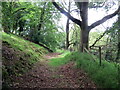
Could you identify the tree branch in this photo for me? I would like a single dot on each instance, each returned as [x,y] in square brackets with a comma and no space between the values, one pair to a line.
[98,39]
[103,19]
[67,14]
[18,10]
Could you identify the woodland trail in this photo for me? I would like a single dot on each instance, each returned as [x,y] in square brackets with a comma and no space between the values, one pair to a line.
[44,76]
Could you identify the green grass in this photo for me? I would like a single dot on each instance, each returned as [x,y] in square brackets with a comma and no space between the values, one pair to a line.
[63,52]
[19,43]
[105,76]
[63,59]
[24,53]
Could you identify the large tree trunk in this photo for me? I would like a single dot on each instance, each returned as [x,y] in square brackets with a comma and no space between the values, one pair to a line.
[84,25]
[84,40]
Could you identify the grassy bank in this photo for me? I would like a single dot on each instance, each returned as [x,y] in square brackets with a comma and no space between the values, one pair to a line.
[105,76]
[18,56]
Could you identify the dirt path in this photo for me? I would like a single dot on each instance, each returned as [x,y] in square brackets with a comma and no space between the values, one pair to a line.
[44,76]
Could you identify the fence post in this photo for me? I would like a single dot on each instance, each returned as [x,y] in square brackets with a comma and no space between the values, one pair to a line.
[100,55]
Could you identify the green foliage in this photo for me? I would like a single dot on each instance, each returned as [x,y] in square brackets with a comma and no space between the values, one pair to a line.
[13,16]
[114,41]
[94,36]
[34,21]
[48,33]
[75,37]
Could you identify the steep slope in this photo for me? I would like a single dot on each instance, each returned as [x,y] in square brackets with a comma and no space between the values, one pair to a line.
[18,56]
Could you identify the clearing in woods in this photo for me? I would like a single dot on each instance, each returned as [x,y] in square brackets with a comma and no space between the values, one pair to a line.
[44,76]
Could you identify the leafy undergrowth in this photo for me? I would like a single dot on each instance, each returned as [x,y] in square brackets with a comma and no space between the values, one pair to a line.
[105,76]
[18,56]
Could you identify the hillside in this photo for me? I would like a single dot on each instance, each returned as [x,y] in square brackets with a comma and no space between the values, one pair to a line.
[26,65]
[18,56]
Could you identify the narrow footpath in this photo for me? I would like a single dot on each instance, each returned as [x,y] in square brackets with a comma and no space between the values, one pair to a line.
[44,76]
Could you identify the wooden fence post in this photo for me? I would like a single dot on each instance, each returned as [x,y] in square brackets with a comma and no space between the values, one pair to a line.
[100,55]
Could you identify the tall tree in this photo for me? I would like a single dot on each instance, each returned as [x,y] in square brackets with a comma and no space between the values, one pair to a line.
[67,28]
[85,29]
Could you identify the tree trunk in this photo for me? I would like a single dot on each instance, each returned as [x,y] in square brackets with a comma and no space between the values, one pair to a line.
[67,29]
[84,40]
[84,25]
[67,34]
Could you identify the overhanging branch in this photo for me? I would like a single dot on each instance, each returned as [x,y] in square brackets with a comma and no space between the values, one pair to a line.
[67,14]
[103,19]
[98,38]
